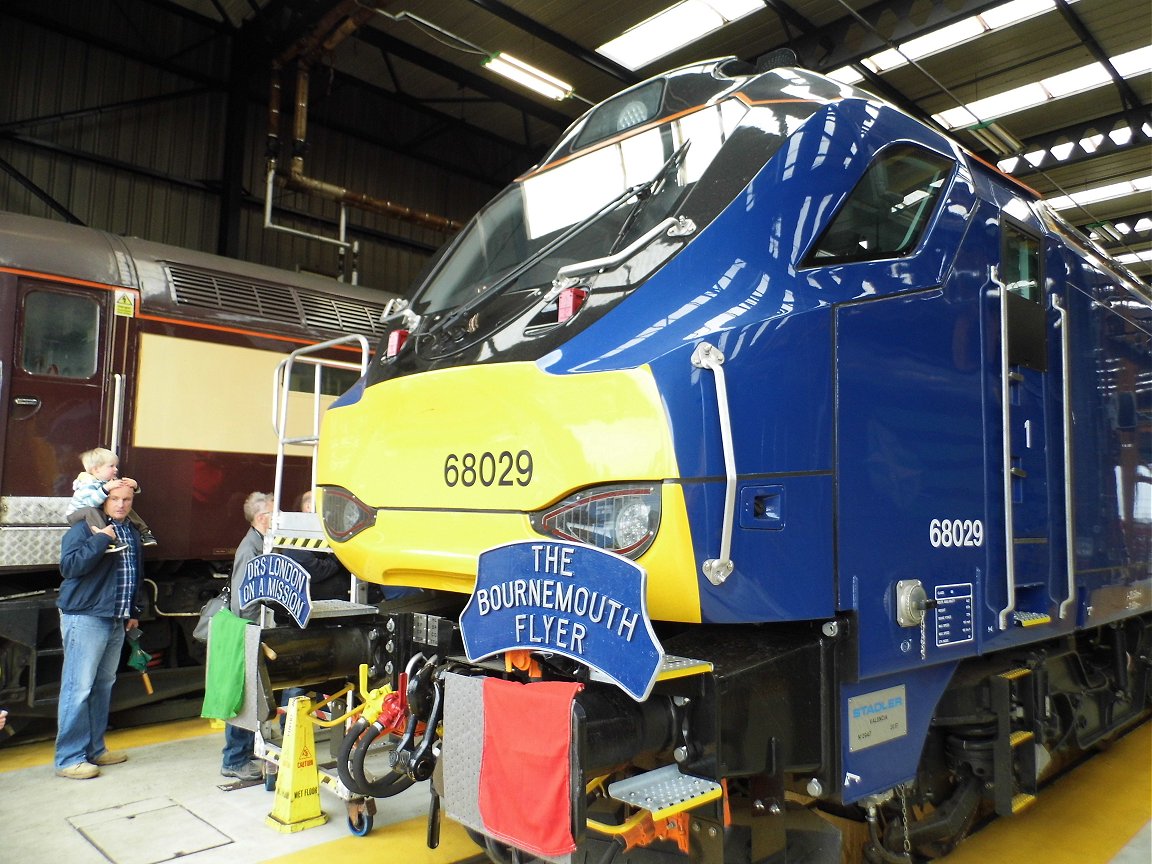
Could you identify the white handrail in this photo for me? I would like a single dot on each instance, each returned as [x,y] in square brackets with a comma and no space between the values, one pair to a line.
[707,356]
[673,226]
[281,386]
[117,411]
[1069,500]
[1006,451]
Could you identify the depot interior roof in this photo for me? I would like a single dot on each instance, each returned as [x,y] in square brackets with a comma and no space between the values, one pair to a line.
[428,54]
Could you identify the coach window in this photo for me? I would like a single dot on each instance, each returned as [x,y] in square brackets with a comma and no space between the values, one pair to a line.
[887,212]
[60,334]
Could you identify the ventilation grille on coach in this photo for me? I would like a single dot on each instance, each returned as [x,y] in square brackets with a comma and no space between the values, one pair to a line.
[300,306]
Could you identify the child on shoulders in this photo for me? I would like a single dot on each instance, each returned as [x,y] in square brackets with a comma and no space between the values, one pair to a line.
[91,488]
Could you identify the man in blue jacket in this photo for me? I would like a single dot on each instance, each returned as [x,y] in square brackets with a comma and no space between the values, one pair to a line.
[98,603]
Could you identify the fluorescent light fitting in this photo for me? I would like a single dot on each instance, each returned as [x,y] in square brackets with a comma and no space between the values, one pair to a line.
[845,75]
[999,140]
[1104,231]
[528,76]
[679,25]
[951,36]
[1128,65]
[939,40]
[1135,257]
[1140,185]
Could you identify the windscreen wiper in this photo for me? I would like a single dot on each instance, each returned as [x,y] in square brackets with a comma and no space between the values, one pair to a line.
[648,191]
[464,310]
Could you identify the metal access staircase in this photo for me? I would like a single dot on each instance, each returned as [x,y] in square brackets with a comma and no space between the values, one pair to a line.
[293,529]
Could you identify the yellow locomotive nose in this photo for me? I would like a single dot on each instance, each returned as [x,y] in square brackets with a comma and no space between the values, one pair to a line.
[433,469]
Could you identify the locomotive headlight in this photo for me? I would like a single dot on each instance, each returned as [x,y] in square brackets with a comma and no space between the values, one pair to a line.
[633,525]
[621,518]
[344,514]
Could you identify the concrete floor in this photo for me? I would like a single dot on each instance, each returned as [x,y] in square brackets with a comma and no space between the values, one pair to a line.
[167,802]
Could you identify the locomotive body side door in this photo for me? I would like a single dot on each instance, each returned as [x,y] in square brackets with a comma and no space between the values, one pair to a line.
[1025,596]
[57,401]
[7,354]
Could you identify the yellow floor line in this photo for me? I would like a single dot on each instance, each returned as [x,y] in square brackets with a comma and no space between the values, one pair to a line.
[402,841]
[1064,826]
[14,756]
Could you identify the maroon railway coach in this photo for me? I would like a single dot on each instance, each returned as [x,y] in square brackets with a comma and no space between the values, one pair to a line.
[165,356]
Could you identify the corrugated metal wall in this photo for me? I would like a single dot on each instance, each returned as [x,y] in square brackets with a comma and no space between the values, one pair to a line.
[130,137]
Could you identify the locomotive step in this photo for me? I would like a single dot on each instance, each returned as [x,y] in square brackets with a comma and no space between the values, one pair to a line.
[340,609]
[292,525]
[1019,737]
[1012,674]
[671,667]
[1031,619]
[665,791]
[316,544]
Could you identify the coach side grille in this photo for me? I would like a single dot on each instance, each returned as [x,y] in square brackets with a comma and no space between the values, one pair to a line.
[340,314]
[311,309]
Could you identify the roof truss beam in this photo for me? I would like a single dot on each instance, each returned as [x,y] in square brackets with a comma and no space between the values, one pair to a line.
[1104,135]
[556,40]
[396,47]
[848,41]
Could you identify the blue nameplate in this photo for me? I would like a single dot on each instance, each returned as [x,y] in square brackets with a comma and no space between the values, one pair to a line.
[564,598]
[276,578]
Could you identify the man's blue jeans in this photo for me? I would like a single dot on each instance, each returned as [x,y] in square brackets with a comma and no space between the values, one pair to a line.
[238,746]
[91,656]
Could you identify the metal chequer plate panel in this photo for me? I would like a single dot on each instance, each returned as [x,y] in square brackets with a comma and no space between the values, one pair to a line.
[27,547]
[28,510]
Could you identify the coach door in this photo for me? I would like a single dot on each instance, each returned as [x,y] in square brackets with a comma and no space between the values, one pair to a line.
[1025,440]
[58,403]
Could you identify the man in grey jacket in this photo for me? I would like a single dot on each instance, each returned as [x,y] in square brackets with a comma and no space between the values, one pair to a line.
[239,742]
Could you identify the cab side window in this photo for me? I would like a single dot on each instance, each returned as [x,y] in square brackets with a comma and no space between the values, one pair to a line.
[1020,275]
[60,334]
[887,212]
[1020,263]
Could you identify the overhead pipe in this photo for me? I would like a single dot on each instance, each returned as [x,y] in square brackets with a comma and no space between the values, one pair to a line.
[336,26]
[298,180]
[272,146]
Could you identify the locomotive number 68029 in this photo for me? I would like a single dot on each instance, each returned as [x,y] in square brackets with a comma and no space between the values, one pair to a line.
[956,532]
[488,469]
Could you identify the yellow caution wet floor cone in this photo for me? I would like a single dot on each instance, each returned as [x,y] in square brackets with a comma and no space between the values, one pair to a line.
[297,804]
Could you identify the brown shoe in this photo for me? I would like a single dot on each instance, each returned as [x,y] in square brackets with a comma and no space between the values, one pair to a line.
[110,757]
[79,771]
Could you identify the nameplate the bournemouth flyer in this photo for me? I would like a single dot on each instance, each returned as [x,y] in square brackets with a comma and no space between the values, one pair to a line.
[565,598]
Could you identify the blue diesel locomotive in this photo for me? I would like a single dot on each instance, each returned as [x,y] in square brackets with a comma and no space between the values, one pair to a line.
[785,471]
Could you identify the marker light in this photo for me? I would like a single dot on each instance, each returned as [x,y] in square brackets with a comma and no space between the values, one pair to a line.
[569,303]
[396,340]
[621,518]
